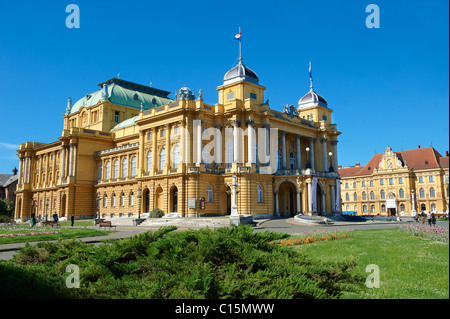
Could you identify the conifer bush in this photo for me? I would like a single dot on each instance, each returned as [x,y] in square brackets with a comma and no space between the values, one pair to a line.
[232,263]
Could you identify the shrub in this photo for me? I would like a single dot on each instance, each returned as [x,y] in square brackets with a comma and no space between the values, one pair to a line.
[156,213]
[231,263]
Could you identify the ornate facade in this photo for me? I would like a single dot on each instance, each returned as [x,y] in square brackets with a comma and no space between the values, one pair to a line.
[397,183]
[127,149]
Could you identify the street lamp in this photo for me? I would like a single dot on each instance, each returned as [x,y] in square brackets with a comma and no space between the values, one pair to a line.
[98,206]
[331,166]
[308,163]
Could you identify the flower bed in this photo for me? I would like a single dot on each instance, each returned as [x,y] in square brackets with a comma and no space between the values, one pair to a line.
[28,234]
[434,233]
[308,238]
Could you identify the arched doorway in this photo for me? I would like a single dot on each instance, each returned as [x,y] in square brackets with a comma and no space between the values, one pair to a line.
[174,200]
[423,207]
[159,198]
[287,199]
[146,198]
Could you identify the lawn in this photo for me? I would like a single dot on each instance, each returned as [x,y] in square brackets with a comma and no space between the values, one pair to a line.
[21,234]
[410,267]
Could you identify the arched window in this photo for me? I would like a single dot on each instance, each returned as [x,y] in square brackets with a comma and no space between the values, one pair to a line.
[133,166]
[149,160]
[206,156]
[372,209]
[113,201]
[364,208]
[364,195]
[131,199]
[383,208]
[401,193]
[382,194]
[347,208]
[422,193]
[372,195]
[108,170]
[116,169]
[122,199]
[432,192]
[347,196]
[402,207]
[125,167]
[100,167]
[162,159]
[433,207]
[176,155]
[292,160]
[105,200]
[209,194]
[355,196]
[260,194]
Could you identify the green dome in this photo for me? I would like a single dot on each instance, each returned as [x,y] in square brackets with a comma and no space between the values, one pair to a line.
[124,93]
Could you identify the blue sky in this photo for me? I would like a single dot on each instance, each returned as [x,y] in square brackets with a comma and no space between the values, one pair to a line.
[386,86]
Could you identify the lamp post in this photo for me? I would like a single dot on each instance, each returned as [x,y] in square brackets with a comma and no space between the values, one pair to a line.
[139,202]
[308,163]
[331,169]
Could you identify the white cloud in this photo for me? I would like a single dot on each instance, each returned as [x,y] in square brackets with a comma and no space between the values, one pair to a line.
[9,146]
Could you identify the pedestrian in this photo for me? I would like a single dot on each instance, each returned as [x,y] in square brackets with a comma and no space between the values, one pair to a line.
[55,218]
[422,215]
[33,220]
[433,219]
[429,219]
[72,219]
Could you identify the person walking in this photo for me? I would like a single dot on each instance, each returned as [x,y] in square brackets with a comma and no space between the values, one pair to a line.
[33,220]
[433,219]
[422,216]
[55,218]
[429,219]
[72,220]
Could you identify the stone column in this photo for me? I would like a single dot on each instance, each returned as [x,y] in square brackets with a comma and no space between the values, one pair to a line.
[236,152]
[333,199]
[250,143]
[199,142]
[70,159]
[310,204]
[335,155]
[324,154]
[277,213]
[311,146]
[299,209]
[21,158]
[154,152]
[299,157]
[283,149]
[168,148]
[27,169]
[62,164]
[218,144]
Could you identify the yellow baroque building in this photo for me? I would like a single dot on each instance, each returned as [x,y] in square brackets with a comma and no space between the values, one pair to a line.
[397,183]
[127,149]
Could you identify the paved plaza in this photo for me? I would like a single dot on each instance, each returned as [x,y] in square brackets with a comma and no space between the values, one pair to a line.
[283,225]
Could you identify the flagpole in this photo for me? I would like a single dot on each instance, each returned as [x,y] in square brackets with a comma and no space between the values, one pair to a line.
[240,48]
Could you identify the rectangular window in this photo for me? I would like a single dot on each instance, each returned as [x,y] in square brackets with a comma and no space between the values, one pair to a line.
[324,117]
[400,180]
[420,179]
[163,133]
[116,116]
[381,181]
[230,96]
[371,183]
[253,96]
[431,179]
[391,181]
[149,136]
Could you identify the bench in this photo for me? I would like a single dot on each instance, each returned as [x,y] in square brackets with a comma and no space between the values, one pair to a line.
[106,224]
[50,223]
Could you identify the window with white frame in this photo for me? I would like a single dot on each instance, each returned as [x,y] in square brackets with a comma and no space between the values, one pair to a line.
[260,194]
[133,166]
[209,194]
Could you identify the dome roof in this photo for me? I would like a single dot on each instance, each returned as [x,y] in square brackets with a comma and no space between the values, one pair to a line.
[238,73]
[184,93]
[311,99]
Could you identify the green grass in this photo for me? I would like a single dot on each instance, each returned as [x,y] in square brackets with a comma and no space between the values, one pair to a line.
[63,233]
[410,267]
